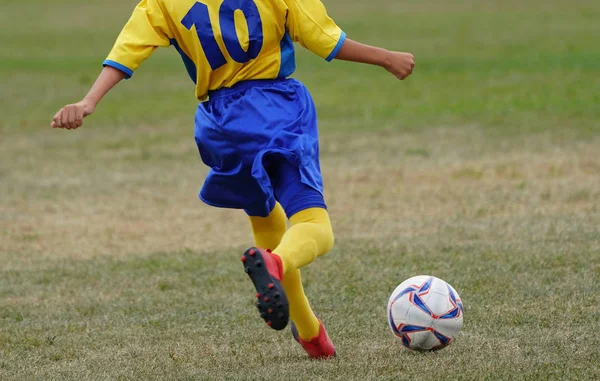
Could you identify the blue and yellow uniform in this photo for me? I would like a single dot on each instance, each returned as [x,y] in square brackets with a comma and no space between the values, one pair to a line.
[258,129]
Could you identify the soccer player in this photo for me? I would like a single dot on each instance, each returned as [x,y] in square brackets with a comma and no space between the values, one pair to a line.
[255,127]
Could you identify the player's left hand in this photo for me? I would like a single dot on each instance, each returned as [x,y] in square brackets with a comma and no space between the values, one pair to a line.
[71,116]
[400,64]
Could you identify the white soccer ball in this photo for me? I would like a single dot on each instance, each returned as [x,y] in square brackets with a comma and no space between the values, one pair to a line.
[425,313]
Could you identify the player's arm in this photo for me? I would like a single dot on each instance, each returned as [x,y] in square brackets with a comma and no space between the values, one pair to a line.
[146,30]
[71,116]
[398,63]
[309,24]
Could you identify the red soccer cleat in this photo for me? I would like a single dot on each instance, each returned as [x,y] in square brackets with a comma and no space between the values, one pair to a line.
[321,347]
[265,271]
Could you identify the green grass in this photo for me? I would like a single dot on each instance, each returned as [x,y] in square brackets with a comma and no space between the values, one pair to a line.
[481,169]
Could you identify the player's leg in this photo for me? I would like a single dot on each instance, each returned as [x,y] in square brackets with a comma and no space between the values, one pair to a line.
[268,232]
[307,328]
[309,236]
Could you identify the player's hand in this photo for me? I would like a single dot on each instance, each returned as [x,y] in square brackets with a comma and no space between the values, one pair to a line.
[400,64]
[71,116]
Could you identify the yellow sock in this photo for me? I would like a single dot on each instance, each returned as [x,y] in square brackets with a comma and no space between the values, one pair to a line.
[309,236]
[268,233]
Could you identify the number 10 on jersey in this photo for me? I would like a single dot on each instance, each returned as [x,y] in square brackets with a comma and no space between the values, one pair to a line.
[199,17]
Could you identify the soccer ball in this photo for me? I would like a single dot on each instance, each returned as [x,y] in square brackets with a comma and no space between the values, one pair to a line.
[425,313]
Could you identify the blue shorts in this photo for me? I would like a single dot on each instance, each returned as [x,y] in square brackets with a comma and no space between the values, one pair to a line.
[260,140]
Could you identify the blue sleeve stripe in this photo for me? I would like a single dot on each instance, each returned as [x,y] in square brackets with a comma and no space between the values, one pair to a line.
[128,72]
[337,48]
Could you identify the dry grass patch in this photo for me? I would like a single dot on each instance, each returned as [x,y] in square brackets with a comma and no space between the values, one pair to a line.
[134,191]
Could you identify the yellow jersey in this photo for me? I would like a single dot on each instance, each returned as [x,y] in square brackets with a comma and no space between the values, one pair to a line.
[223,42]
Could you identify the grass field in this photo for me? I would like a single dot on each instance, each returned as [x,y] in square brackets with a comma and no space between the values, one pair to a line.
[482,169]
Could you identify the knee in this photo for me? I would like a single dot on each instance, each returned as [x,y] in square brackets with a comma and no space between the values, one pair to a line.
[323,231]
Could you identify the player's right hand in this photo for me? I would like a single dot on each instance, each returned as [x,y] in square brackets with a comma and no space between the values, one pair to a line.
[400,64]
[71,116]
